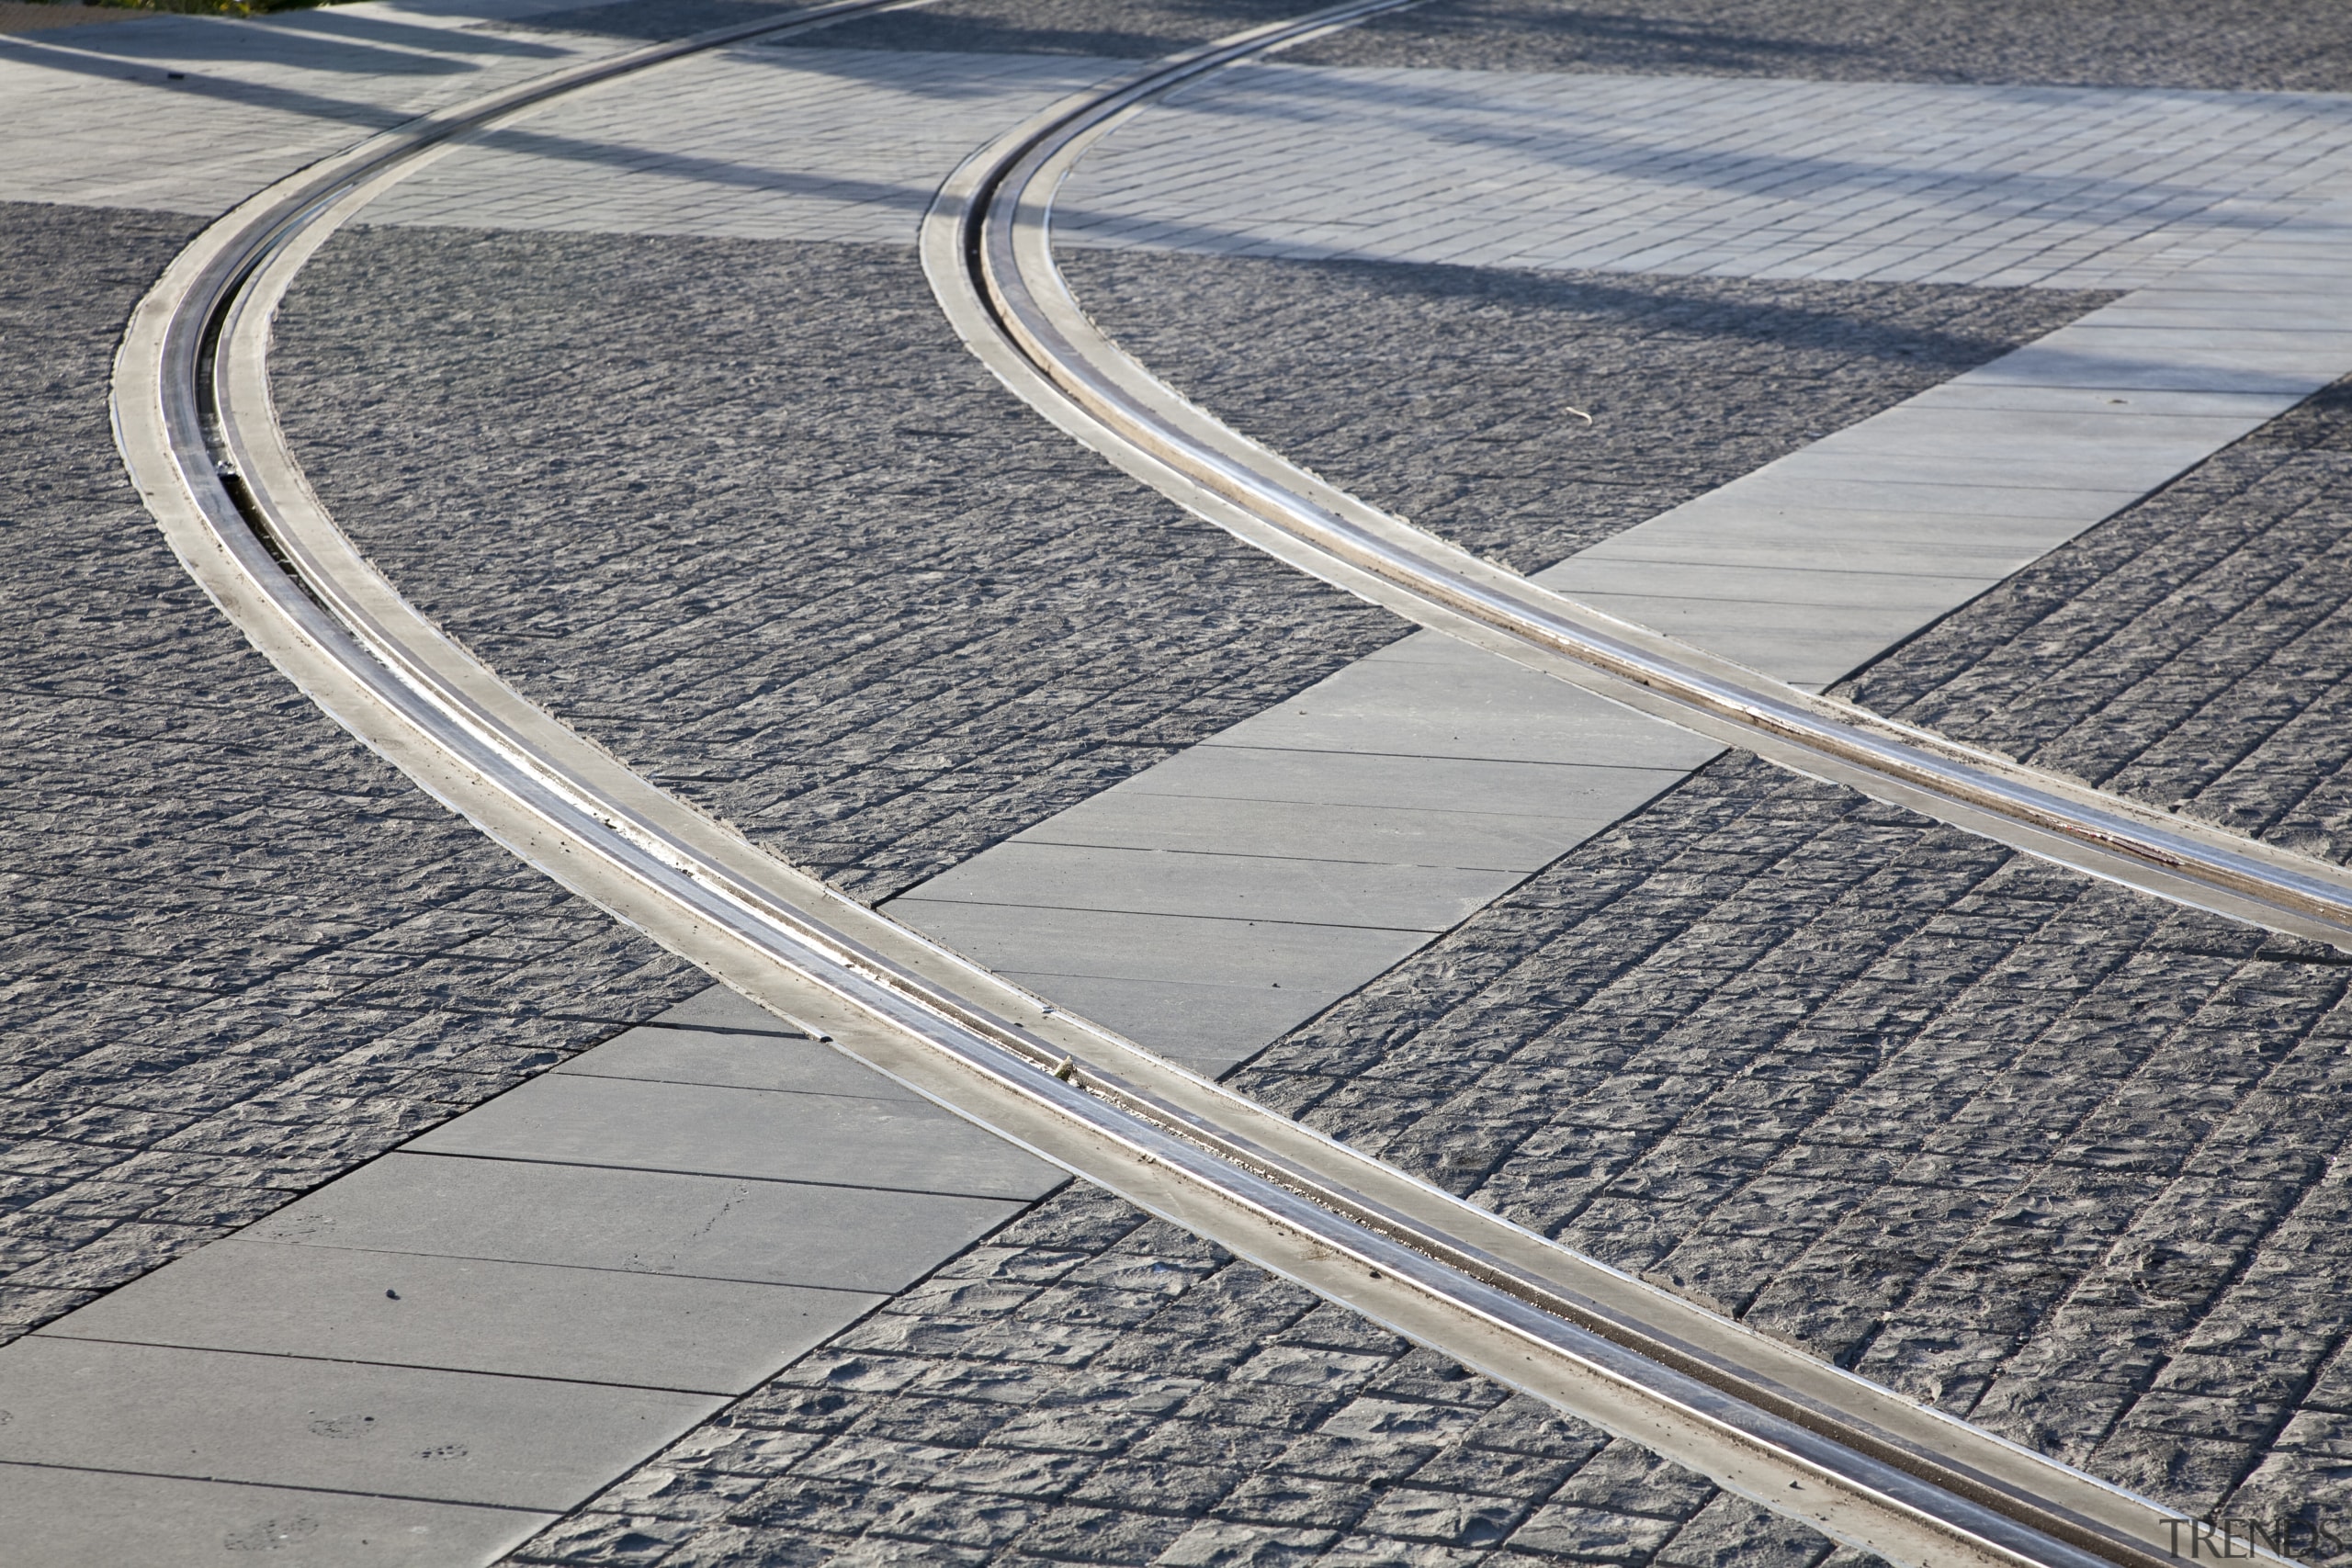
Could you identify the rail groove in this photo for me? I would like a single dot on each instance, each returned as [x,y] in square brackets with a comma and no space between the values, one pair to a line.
[199,433]
[988,249]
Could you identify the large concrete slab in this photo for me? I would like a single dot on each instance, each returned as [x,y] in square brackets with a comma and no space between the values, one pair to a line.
[531,1443]
[1433,787]
[834,1237]
[1206,1027]
[228,105]
[1134,819]
[1226,885]
[1983,184]
[59,1517]
[614,1327]
[573,1119]
[1457,701]
[1255,955]
[735,1060]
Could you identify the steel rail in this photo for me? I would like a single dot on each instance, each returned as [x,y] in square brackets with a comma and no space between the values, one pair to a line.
[199,433]
[988,248]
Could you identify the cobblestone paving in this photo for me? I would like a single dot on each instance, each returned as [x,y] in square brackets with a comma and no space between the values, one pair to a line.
[2258,45]
[2253,45]
[242,956]
[882,618]
[687,495]
[1460,381]
[2043,1152]
[752,516]
[1134,29]
[1090,1387]
[2040,1150]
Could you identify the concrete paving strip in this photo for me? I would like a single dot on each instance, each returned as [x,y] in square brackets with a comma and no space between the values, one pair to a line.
[423,1361]
[1806,569]
[64,1517]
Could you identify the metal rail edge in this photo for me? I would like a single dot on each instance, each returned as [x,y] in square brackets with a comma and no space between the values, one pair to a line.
[988,248]
[199,434]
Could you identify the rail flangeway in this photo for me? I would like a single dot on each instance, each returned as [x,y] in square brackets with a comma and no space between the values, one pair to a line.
[988,249]
[199,434]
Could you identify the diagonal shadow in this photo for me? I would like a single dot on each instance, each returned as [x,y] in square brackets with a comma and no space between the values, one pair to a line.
[1601,40]
[189,41]
[338,25]
[1459,116]
[1701,304]
[227,89]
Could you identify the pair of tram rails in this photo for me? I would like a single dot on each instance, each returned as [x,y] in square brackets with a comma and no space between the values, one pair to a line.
[1869,1467]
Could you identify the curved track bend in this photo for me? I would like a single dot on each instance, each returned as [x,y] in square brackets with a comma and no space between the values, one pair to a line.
[988,248]
[197,431]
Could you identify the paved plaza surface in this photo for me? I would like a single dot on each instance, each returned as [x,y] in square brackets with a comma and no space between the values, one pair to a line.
[370,1199]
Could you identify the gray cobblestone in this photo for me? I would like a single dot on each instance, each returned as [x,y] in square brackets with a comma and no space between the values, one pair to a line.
[2256,45]
[767,528]
[1239,1421]
[791,666]
[1138,29]
[242,956]
[960,624]
[2042,1151]
[2252,45]
[1143,29]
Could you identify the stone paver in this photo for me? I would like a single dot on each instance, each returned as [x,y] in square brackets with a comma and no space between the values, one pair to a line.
[2044,186]
[771,142]
[1093,1387]
[2245,45]
[226,106]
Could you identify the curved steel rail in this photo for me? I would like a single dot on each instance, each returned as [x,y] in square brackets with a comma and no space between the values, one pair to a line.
[988,249]
[200,437]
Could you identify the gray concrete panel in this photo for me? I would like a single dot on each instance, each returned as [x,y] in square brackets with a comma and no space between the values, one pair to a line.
[693,1128]
[1207,1028]
[471,1314]
[844,1238]
[1226,886]
[1441,784]
[2030,397]
[1125,819]
[283,1421]
[2085,435]
[1249,954]
[720,1008]
[1470,704]
[1803,645]
[86,1518]
[1728,518]
[732,1061]
[1727,542]
[1999,467]
[2146,359]
[1792,484]
[1792,589]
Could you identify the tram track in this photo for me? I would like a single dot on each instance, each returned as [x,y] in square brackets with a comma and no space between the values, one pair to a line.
[198,429]
[988,249]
